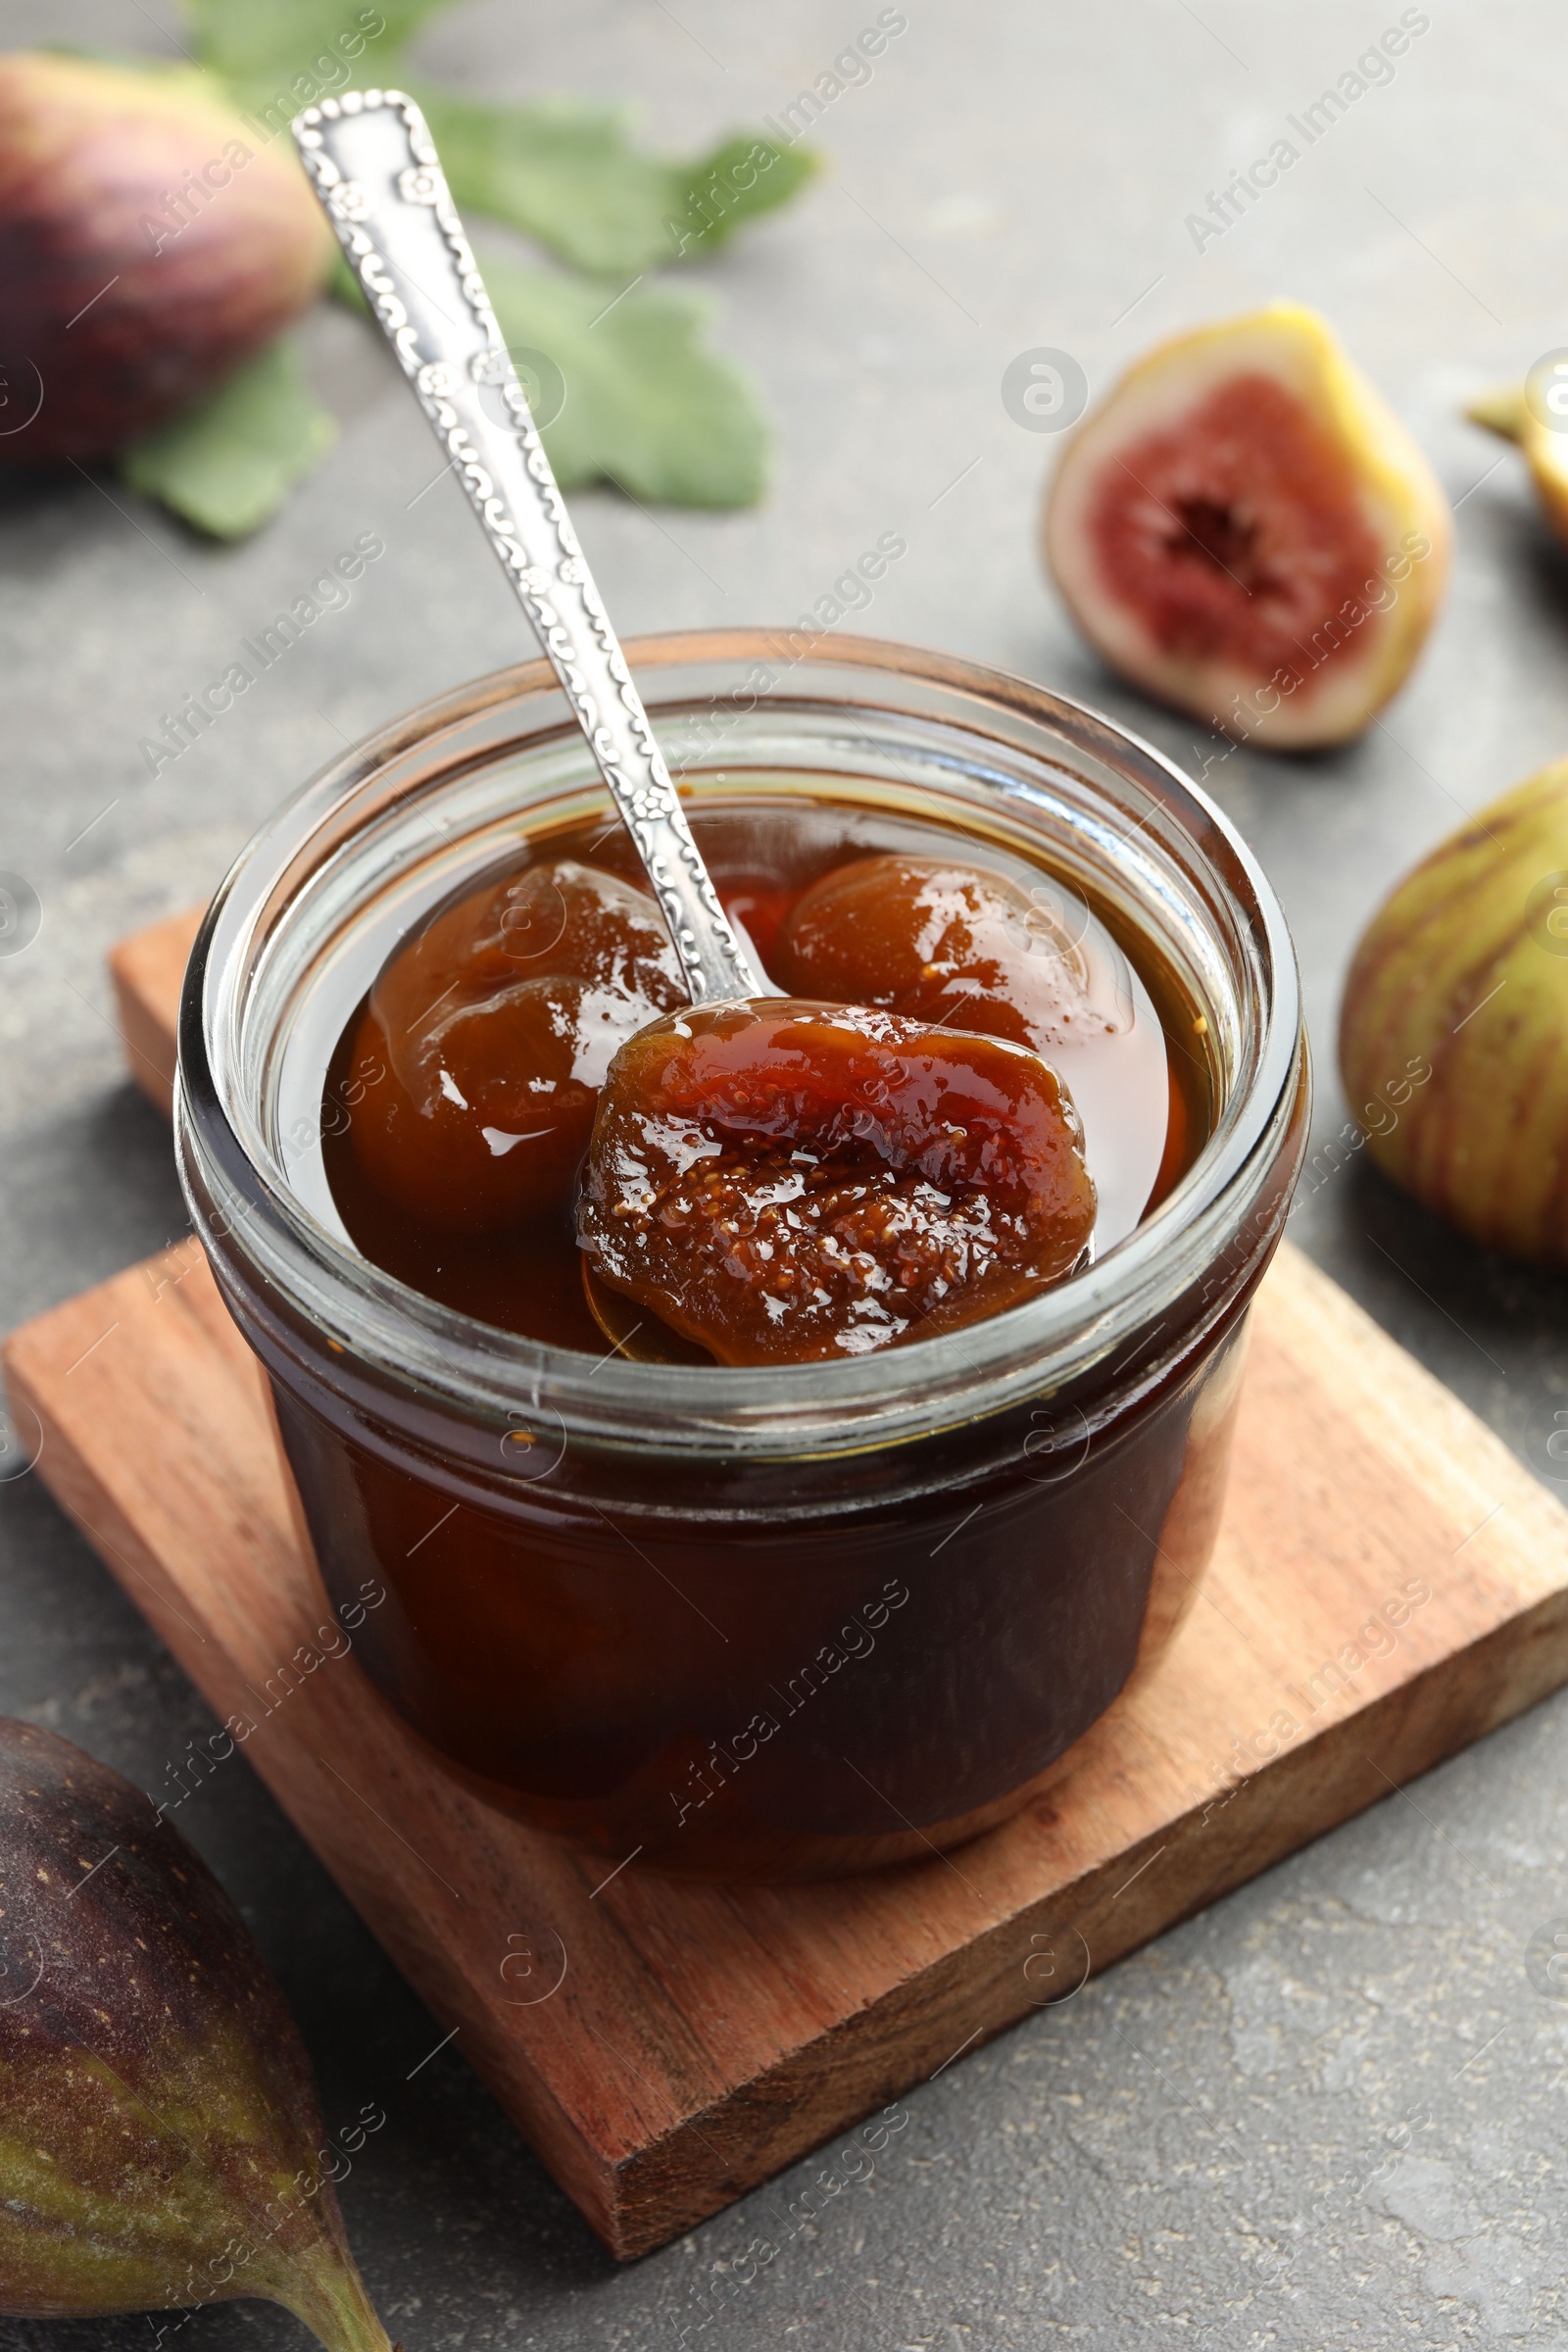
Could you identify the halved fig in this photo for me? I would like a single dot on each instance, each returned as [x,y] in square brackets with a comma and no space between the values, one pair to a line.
[1244,529]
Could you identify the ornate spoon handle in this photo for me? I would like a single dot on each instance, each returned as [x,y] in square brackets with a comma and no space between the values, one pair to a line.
[377,172]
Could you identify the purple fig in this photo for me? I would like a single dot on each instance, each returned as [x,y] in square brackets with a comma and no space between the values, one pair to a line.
[163,2145]
[151,242]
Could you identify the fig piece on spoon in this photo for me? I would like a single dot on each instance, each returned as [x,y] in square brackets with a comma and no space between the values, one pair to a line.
[1244,529]
[791,1182]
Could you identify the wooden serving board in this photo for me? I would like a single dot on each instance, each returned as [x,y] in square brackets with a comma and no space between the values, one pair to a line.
[701,2038]
[1388,1585]
[147,970]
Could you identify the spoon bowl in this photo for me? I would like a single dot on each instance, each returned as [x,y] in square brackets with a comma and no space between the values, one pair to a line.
[635,1333]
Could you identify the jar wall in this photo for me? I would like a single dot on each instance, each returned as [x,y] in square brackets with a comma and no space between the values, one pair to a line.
[754,1696]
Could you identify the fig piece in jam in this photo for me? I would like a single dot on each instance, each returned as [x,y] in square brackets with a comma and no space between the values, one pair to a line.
[942,940]
[481,1053]
[784,1181]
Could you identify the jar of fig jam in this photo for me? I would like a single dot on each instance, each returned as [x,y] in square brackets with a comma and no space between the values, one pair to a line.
[777,1620]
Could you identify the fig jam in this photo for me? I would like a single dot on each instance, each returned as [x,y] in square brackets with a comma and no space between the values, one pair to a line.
[474,1067]
[753,1618]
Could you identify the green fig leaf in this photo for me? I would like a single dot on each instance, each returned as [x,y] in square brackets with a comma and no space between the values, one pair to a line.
[344,287]
[739,180]
[227,464]
[567,175]
[296,51]
[626,392]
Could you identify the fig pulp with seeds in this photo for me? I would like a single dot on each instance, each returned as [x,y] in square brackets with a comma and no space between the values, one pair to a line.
[461,1100]
[160,2135]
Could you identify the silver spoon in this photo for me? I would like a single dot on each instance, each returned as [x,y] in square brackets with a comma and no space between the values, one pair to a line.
[375,168]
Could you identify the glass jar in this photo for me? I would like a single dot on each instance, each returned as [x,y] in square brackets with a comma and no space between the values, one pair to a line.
[746,1623]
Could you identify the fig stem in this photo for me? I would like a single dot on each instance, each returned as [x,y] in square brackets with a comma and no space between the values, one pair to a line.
[1500,411]
[323,2287]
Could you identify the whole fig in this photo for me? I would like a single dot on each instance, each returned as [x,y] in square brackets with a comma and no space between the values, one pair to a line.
[1463,974]
[162,2141]
[151,242]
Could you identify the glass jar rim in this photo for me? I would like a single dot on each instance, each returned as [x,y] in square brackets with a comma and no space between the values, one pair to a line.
[414,1344]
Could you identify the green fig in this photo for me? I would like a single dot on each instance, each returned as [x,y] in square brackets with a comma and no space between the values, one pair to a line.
[151,242]
[1453,1034]
[160,2141]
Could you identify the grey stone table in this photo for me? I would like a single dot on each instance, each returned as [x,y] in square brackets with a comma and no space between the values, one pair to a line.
[1330,2112]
